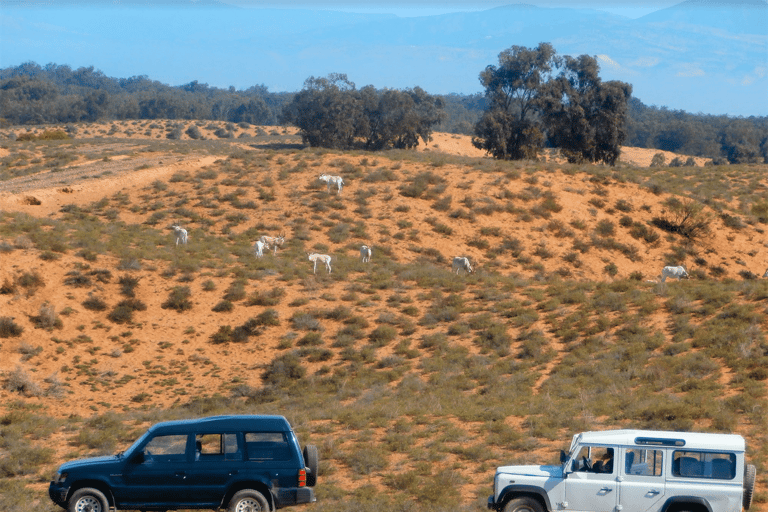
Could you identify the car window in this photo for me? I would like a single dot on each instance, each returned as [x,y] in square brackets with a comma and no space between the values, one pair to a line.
[594,459]
[166,448]
[267,446]
[638,461]
[695,464]
[216,446]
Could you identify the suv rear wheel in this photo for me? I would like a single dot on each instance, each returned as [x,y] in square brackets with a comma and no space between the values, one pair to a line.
[523,504]
[248,500]
[88,500]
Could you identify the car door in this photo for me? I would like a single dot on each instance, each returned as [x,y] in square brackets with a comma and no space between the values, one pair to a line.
[218,460]
[593,484]
[157,477]
[642,479]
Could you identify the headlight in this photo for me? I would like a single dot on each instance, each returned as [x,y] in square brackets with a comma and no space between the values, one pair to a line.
[60,478]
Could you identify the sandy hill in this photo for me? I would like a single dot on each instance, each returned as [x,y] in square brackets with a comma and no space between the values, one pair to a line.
[108,325]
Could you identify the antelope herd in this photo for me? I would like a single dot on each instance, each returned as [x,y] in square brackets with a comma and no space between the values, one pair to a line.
[459,262]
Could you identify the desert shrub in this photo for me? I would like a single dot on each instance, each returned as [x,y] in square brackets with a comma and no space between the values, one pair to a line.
[121,314]
[658,160]
[178,299]
[128,285]
[310,339]
[24,459]
[494,338]
[9,328]
[223,335]
[194,132]
[94,304]
[605,228]
[8,287]
[46,317]
[732,221]
[20,382]
[236,291]
[382,335]
[305,322]
[284,370]
[223,306]
[685,217]
[101,433]
[30,280]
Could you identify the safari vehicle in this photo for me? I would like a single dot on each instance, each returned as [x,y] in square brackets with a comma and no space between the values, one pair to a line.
[242,463]
[633,471]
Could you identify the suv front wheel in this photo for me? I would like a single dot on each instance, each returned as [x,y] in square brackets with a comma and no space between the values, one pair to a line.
[523,504]
[248,500]
[88,500]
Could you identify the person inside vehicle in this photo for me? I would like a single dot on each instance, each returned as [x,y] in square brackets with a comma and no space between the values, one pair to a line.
[605,464]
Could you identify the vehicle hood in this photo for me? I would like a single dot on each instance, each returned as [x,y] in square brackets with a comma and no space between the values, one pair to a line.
[89,463]
[535,471]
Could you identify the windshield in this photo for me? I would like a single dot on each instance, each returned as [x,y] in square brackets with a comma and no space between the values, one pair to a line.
[136,443]
[574,444]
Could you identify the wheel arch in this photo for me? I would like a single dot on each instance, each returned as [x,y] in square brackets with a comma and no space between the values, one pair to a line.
[686,503]
[517,491]
[99,485]
[256,485]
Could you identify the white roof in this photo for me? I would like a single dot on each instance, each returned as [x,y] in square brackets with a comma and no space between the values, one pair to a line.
[697,440]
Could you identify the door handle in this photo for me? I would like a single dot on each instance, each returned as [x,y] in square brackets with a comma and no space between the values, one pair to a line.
[233,472]
[182,474]
[653,492]
[606,490]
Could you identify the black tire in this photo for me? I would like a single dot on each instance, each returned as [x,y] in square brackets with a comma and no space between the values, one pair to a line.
[248,500]
[523,504]
[750,472]
[88,499]
[311,460]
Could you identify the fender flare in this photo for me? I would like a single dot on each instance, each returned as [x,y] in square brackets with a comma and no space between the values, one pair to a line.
[693,500]
[509,490]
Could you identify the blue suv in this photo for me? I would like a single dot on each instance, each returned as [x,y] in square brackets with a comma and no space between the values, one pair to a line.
[241,463]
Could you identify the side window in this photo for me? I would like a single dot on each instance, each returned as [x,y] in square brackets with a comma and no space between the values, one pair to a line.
[692,464]
[215,446]
[594,459]
[166,448]
[643,462]
[267,446]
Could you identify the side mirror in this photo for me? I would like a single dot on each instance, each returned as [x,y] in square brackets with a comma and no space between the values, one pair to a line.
[563,456]
[138,458]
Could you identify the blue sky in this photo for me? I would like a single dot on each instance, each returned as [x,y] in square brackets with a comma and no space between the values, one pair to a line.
[404,8]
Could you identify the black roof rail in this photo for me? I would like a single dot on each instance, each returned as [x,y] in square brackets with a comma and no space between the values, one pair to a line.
[660,441]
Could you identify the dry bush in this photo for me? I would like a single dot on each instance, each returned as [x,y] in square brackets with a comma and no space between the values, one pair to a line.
[9,328]
[20,382]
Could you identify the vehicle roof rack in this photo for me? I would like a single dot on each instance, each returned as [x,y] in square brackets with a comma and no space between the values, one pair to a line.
[659,441]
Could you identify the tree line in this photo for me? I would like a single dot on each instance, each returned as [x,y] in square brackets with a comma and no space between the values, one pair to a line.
[568,111]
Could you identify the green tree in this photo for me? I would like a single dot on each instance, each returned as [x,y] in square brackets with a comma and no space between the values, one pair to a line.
[400,118]
[510,128]
[585,117]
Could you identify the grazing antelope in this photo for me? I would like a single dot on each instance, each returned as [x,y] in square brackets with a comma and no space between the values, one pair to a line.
[678,272]
[314,257]
[333,180]
[460,262]
[259,247]
[274,241]
[181,234]
[365,253]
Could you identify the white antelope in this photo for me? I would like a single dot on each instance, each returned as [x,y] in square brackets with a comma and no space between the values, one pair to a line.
[314,257]
[460,262]
[181,234]
[678,272]
[333,180]
[365,253]
[259,247]
[274,241]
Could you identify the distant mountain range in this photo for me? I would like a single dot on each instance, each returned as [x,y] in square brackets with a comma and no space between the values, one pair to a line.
[699,56]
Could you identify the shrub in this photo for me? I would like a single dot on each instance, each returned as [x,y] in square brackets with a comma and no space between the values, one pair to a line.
[223,335]
[178,299]
[46,317]
[94,304]
[20,382]
[223,306]
[284,370]
[382,335]
[685,217]
[9,328]
[128,284]
[658,160]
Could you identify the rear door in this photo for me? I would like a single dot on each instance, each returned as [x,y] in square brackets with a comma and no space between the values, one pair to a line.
[218,459]
[642,479]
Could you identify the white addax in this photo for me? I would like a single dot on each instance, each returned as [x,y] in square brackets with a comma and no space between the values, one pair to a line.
[259,247]
[678,272]
[365,254]
[274,241]
[324,258]
[461,263]
[333,180]
[181,234]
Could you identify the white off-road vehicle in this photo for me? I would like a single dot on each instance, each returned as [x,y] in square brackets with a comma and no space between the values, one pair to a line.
[633,471]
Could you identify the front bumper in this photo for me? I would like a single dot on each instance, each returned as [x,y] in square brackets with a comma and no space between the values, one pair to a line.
[58,494]
[491,502]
